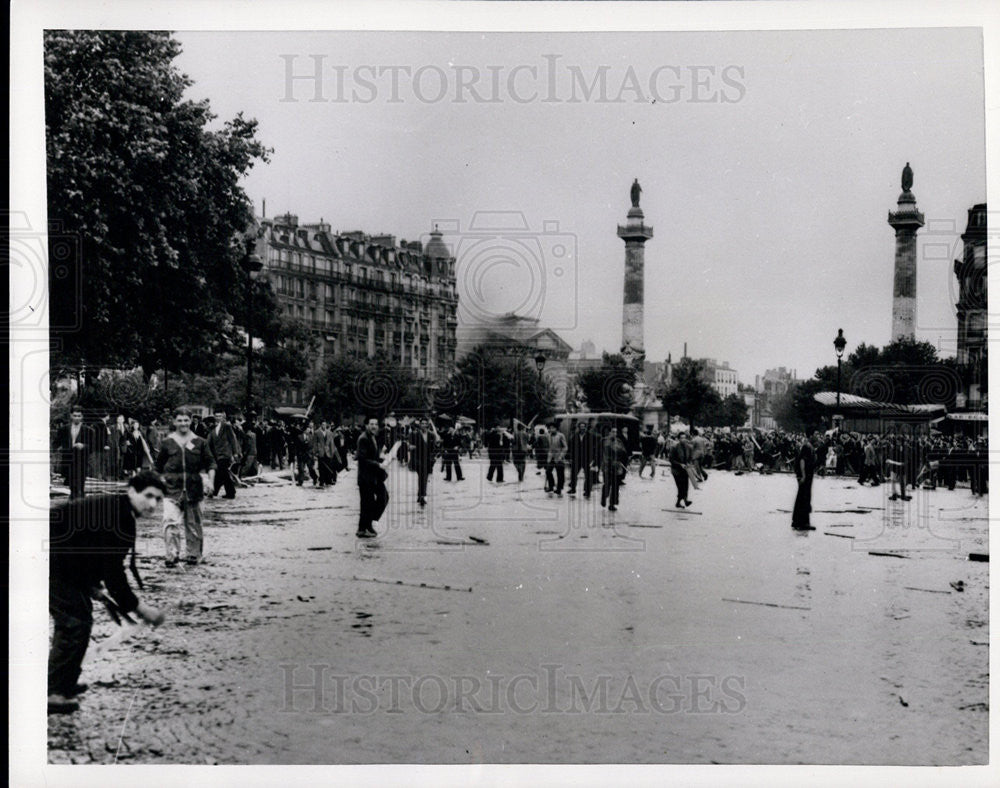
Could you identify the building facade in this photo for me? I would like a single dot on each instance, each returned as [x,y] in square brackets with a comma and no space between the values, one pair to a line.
[971,271]
[365,294]
[768,387]
[721,377]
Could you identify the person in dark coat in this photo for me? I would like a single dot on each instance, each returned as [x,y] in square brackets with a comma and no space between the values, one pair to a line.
[101,432]
[497,448]
[805,463]
[425,441]
[89,539]
[72,448]
[520,448]
[451,444]
[614,460]
[371,480]
[542,441]
[680,457]
[584,453]
[225,447]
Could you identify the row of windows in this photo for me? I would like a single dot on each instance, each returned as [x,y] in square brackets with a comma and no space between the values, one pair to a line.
[324,265]
[351,321]
[302,288]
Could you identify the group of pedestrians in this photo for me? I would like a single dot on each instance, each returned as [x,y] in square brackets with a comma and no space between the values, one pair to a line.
[107,450]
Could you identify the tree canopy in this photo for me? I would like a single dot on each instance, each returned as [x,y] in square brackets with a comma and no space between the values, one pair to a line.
[904,372]
[610,387]
[498,386]
[689,394]
[146,196]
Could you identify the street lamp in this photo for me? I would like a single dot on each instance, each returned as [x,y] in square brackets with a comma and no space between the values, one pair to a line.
[839,344]
[251,263]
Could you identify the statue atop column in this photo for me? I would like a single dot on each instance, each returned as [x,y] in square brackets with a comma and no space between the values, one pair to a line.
[636,191]
[907,179]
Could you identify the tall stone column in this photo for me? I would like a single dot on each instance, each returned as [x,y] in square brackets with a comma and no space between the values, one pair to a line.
[906,220]
[635,234]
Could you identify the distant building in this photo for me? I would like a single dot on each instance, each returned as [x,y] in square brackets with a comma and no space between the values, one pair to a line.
[364,294]
[971,271]
[767,389]
[775,382]
[721,377]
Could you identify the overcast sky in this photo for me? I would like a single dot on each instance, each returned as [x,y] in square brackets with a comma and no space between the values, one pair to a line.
[768,163]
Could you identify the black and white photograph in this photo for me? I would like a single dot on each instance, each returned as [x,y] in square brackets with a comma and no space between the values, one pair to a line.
[580,385]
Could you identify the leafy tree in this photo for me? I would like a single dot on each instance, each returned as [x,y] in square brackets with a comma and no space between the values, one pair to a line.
[333,385]
[689,394]
[904,372]
[608,388]
[499,386]
[797,411]
[733,411]
[145,204]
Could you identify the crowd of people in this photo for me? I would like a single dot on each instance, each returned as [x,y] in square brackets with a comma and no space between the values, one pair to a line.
[91,536]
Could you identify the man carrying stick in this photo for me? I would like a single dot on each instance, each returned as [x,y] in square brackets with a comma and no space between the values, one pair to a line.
[89,539]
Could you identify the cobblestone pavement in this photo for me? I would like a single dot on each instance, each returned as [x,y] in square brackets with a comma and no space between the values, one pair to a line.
[647,635]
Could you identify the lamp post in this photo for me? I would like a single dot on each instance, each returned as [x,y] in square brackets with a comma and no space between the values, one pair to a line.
[251,263]
[839,344]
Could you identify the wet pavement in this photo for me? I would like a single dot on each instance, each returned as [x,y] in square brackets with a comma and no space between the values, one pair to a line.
[501,625]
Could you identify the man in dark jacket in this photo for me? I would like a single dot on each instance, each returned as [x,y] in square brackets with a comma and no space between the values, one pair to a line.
[584,452]
[225,447]
[614,457]
[647,444]
[680,457]
[805,463]
[497,448]
[89,539]
[371,480]
[542,442]
[425,441]
[451,444]
[520,448]
[73,445]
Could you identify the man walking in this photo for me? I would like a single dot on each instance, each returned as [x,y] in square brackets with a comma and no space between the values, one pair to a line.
[542,442]
[869,470]
[371,480]
[583,455]
[225,447]
[73,445]
[558,447]
[699,452]
[614,457]
[497,448]
[680,458]
[182,458]
[425,442]
[648,447]
[805,462]
[320,448]
[451,446]
[520,449]
[89,539]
